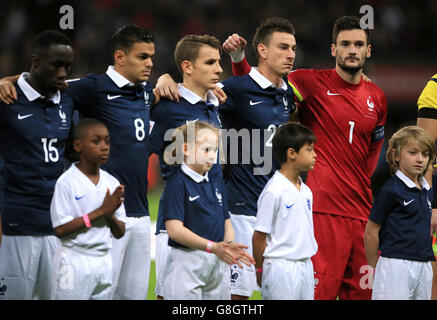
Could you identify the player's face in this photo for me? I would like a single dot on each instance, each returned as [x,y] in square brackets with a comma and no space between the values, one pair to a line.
[50,68]
[94,146]
[306,158]
[351,50]
[205,151]
[279,53]
[413,159]
[136,65]
[206,70]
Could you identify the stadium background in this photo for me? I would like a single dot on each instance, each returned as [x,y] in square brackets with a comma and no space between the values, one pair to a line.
[403,54]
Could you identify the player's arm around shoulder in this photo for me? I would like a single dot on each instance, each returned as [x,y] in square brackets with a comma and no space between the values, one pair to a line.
[8,93]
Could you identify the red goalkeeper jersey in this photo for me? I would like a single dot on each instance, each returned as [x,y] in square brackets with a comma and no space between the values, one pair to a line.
[348,121]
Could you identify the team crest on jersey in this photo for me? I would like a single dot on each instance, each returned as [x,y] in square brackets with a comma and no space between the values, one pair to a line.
[370,104]
[146,99]
[285,100]
[63,116]
[309,204]
[219,197]
[429,203]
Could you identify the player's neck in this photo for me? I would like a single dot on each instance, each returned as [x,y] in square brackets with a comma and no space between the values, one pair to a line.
[89,169]
[349,77]
[120,70]
[190,85]
[291,174]
[34,84]
[270,75]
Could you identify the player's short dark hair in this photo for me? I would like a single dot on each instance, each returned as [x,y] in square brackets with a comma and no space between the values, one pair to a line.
[348,23]
[291,135]
[267,28]
[77,133]
[47,38]
[126,36]
[189,46]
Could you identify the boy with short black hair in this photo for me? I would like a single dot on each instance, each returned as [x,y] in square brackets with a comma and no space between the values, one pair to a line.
[87,206]
[283,241]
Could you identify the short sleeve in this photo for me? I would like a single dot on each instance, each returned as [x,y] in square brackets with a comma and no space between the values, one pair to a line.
[59,207]
[173,202]
[83,92]
[381,205]
[267,209]
[427,102]
[228,87]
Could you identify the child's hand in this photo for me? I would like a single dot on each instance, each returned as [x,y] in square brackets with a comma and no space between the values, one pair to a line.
[240,254]
[112,201]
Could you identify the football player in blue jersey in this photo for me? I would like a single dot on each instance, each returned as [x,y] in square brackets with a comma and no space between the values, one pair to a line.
[257,103]
[198,60]
[121,98]
[33,131]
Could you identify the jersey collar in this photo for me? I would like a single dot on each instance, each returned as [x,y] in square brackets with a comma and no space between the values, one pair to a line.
[119,80]
[411,184]
[193,174]
[193,98]
[31,94]
[263,82]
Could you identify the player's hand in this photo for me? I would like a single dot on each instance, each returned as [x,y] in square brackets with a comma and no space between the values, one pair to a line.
[222,251]
[167,88]
[220,94]
[112,201]
[8,94]
[235,46]
[433,222]
[240,254]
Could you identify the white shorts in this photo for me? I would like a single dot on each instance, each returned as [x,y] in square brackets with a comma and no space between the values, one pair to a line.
[81,276]
[26,267]
[399,279]
[194,275]
[131,260]
[243,281]
[162,251]
[285,279]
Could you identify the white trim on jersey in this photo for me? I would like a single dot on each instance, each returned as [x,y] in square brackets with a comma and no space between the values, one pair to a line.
[263,81]
[31,94]
[193,98]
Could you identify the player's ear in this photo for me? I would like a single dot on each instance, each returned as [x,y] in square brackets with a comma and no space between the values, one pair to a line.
[35,60]
[187,67]
[333,50]
[262,50]
[369,51]
[119,57]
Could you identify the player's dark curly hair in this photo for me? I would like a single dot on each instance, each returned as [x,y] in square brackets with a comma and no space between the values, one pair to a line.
[348,23]
[291,135]
[266,29]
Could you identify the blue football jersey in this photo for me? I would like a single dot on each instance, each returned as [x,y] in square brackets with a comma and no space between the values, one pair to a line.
[125,110]
[33,132]
[254,109]
[169,115]
[198,202]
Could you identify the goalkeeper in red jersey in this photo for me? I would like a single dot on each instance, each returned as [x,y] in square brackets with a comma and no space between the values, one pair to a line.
[347,115]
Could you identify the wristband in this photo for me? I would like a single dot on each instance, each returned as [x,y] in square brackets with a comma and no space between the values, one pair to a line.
[237,56]
[87,221]
[209,246]
[259,270]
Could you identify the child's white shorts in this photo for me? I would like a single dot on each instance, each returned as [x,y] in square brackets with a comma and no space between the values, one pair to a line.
[195,275]
[399,279]
[285,279]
